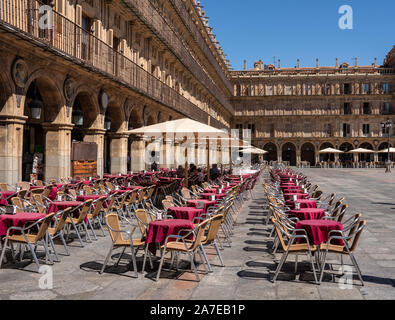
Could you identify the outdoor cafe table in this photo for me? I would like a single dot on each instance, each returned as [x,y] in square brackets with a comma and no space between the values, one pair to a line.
[4,195]
[159,230]
[318,230]
[207,196]
[288,196]
[206,204]
[304,203]
[86,197]
[307,213]
[186,213]
[56,206]
[17,220]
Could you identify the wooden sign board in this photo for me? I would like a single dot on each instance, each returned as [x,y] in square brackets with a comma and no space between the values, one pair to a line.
[84,151]
[84,169]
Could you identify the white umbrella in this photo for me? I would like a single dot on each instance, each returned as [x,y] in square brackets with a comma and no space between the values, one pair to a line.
[330,150]
[253,150]
[183,128]
[361,150]
[392,150]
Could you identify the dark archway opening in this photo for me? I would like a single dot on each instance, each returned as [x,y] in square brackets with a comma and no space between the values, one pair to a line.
[289,153]
[308,153]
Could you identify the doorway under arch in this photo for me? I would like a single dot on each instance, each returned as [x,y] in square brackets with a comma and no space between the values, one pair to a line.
[308,153]
[289,153]
[272,152]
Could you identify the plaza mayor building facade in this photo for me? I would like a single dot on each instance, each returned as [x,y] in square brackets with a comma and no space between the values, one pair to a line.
[86,72]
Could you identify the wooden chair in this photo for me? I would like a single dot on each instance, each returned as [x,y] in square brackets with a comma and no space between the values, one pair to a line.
[24,185]
[3,186]
[119,241]
[29,238]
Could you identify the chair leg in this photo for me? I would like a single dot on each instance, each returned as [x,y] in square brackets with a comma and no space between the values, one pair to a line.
[206,258]
[64,243]
[3,251]
[78,233]
[120,257]
[283,258]
[54,249]
[219,253]
[193,266]
[203,260]
[356,267]
[87,235]
[93,231]
[160,264]
[134,261]
[34,255]
[106,260]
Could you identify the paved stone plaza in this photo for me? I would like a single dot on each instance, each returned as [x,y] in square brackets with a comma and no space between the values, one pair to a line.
[249,262]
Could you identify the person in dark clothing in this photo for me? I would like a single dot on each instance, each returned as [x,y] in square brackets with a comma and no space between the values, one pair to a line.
[154,166]
[214,172]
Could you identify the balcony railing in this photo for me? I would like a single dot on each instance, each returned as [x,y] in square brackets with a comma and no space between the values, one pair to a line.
[151,17]
[69,40]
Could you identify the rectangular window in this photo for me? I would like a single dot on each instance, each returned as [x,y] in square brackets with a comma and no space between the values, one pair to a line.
[385,108]
[347,108]
[366,88]
[366,108]
[346,130]
[288,90]
[365,129]
[308,89]
[347,88]
[385,88]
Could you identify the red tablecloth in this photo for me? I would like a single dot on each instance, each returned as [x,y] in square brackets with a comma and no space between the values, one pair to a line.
[287,184]
[288,196]
[188,213]
[4,195]
[304,203]
[207,196]
[211,190]
[293,189]
[17,220]
[318,230]
[308,213]
[160,229]
[206,203]
[89,197]
[61,205]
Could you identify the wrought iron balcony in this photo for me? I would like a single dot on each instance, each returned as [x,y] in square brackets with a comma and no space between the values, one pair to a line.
[70,41]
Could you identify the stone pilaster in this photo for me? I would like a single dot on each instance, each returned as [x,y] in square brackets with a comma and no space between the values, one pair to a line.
[57,150]
[11,142]
[97,136]
[118,152]
[137,154]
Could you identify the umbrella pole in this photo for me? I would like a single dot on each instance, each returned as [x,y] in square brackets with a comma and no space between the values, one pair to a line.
[208,159]
[186,164]
[230,154]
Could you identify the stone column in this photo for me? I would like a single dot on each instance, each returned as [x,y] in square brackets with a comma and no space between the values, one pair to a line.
[118,152]
[137,154]
[298,156]
[57,150]
[11,147]
[97,136]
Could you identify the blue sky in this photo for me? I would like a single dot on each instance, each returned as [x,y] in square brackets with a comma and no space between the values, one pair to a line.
[304,29]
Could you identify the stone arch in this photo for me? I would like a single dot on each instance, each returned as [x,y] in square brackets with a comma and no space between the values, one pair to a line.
[40,136]
[50,94]
[327,157]
[383,157]
[135,119]
[289,153]
[346,157]
[151,119]
[366,156]
[5,90]
[271,148]
[307,153]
